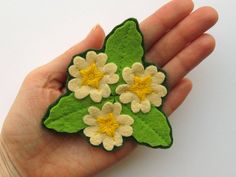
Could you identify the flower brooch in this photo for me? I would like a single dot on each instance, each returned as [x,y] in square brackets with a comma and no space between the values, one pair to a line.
[113,94]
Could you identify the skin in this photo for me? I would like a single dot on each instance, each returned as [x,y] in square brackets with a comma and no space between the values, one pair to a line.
[175,39]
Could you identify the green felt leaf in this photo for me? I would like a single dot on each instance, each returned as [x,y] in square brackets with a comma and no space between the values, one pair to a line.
[124,47]
[67,114]
[152,128]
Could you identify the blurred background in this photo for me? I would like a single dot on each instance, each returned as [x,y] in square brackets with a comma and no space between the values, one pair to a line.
[34,32]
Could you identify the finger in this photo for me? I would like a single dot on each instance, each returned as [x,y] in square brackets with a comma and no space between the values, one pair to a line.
[190,57]
[176,96]
[184,33]
[164,19]
[94,40]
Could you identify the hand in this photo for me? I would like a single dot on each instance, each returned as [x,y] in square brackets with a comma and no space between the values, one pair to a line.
[174,39]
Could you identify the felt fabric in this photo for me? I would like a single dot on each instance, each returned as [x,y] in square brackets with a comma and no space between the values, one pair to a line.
[152,128]
[107,126]
[67,114]
[92,76]
[144,87]
[123,47]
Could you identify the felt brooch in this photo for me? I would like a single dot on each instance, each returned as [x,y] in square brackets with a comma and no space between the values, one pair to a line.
[113,94]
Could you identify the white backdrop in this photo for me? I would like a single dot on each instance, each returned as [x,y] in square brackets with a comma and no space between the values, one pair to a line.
[34,32]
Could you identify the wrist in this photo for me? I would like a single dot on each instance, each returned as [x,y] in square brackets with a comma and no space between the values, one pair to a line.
[7,169]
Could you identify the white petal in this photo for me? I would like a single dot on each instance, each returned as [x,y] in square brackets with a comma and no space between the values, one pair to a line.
[145,106]
[125,120]
[121,88]
[108,143]
[160,90]
[111,78]
[97,139]
[80,62]
[82,92]
[74,71]
[89,120]
[128,75]
[73,84]
[107,108]
[96,95]
[101,59]
[110,68]
[117,108]
[151,70]
[125,130]
[137,68]
[118,140]
[106,91]
[126,97]
[135,106]
[158,78]
[155,99]
[94,111]
[91,57]
[90,131]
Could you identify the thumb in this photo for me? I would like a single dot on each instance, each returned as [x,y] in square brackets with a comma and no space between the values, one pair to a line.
[94,40]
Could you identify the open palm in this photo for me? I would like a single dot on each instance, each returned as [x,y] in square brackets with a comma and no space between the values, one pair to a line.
[174,39]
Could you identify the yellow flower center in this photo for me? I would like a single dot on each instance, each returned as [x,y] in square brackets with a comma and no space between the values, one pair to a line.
[142,86]
[108,124]
[91,76]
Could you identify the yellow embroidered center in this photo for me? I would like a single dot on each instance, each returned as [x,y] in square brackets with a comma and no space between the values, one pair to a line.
[91,76]
[142,86]
[108,124]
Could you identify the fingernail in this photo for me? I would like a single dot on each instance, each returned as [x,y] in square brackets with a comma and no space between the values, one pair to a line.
[95,28]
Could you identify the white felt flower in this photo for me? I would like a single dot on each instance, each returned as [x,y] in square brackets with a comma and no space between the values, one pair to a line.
[92,76]
[143,87]
[107,126]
